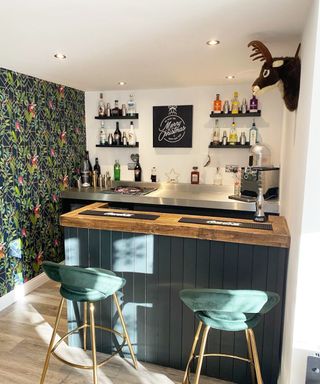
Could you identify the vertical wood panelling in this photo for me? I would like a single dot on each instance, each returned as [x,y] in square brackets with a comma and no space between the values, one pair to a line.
[215,281]
[229,282]
[156,268]
[152,298]
[176,279]
[95,261]
[189,281]
[244,281]
[163,322]
[106,306]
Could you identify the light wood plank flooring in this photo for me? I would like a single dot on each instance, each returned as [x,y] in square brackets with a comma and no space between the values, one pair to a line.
[25,330]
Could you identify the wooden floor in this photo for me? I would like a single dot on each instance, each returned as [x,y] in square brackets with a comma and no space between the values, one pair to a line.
[25,329]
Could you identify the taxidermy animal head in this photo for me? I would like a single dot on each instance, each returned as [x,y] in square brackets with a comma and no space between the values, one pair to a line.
[283,72]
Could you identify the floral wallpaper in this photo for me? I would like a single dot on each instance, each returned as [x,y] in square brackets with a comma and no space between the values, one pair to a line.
[42,141]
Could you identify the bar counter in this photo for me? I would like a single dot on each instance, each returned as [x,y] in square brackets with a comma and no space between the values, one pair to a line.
[209,197]
[158,256]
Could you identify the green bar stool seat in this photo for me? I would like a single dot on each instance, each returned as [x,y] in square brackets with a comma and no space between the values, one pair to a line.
[85,285]
[227,310]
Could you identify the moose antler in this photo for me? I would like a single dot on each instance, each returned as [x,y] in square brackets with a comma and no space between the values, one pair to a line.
[260,51]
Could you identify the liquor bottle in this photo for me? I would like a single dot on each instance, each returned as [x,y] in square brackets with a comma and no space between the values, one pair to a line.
[123,110]
[233,137]
[117,135]
[116,171]
[131,135]
[110,139]
[108,110]
[115,111]
[217,104]
[86,170]
[102,134]
[154,175]
[216,133]
[195,176]
[97,167]
[243,138]
[101,106]
[235,104]
[124,139]
[131,106]
[224,138]
[253,134]
[244,106]
[137,171]
[253,105]
[226,107]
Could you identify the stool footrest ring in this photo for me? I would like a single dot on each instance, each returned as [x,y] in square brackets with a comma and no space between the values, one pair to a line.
[118,350]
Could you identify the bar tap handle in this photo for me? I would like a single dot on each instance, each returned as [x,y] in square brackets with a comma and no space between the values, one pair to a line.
[259,214]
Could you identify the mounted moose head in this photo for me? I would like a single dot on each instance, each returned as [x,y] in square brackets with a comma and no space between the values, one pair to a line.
[283,72]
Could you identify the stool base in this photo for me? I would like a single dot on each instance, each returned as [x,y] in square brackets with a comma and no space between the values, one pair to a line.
[253,359]
[53,346]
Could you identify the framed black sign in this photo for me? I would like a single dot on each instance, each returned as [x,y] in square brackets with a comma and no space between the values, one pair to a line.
[172,126]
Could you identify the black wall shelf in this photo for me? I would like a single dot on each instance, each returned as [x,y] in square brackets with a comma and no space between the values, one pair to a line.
[135,116]
[219,146]
[117,146]
[248,114]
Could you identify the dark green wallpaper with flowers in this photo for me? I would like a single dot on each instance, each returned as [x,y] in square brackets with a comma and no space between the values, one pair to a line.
[42,141]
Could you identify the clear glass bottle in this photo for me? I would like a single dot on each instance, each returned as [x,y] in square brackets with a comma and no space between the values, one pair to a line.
[108,110]
[116,170]
[102,134]
[224,138]
[124,139]
[195,176]
[217,104]
[216,133]
[131,135]
[218,177]
[115,111]
[244,106]
[243,139]
[235,105]
[253,134]
[233,137]
[101,106]
[131,106]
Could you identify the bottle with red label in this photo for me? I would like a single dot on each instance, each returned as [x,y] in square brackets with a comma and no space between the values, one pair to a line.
[195,176]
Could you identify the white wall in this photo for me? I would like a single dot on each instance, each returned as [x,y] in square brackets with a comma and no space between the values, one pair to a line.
[301,207]
[182,160]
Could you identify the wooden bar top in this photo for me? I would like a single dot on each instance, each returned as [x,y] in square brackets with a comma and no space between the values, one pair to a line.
[167,224]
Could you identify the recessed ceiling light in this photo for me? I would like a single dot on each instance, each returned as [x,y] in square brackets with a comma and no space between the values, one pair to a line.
[122,83]
[213,42]
[60,56]
[230,77]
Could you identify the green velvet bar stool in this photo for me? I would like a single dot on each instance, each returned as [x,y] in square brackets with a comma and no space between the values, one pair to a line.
[85,285]
[227,310]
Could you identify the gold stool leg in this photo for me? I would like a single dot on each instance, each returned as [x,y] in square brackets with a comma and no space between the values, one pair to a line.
[194,345]
[201,353]
[133,357]
[93,344]
[85,322]
[255,356]
[253,375]
[54,332]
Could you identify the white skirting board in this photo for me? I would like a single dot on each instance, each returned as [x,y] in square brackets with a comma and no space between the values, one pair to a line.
[21,290]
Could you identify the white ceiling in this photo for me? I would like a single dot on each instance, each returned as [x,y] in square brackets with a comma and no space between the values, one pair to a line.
[148,43]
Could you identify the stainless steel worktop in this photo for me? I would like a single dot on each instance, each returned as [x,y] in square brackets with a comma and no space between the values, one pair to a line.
[183,195]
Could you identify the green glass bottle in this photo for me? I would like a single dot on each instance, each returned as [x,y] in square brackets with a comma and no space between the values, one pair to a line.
[116,170]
